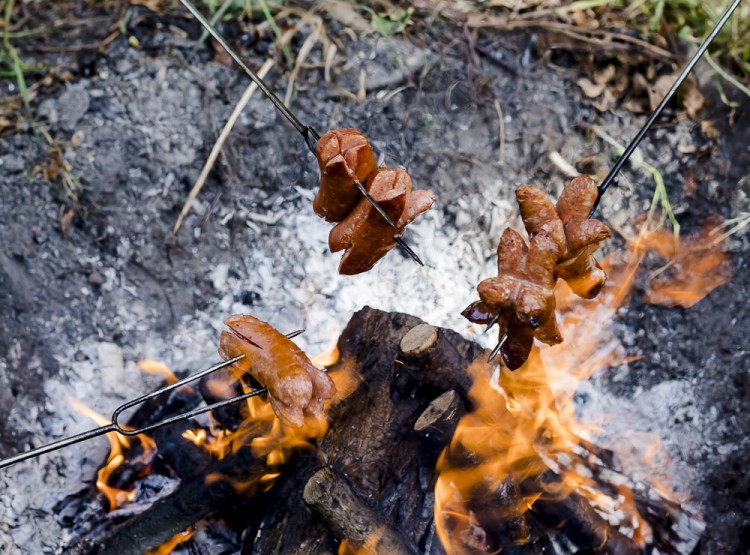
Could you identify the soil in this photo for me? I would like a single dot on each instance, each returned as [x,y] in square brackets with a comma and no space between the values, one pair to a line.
[81,303]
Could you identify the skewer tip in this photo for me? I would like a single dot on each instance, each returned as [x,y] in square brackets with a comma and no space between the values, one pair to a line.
[494,320]
[497,348]
[407,249]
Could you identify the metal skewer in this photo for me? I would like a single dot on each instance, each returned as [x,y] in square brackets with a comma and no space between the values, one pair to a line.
[604,185]
[308,133]
[115,426]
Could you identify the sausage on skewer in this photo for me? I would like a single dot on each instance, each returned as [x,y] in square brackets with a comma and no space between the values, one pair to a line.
[296,388]
[364,233]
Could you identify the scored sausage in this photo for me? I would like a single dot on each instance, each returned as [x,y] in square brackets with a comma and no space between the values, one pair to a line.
[562,242]
[343,155]
[577,235]
[364,233]
[296,388]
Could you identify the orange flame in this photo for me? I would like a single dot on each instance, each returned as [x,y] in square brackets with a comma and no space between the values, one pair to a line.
[117,442]
[263,432]
[368,547]
[327,358]
[168,546]
[523,425]
[697,264]
[158,368]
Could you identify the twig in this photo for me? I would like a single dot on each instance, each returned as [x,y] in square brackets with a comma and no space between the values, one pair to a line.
[501,132]
[740,223]
[219,144]
[571,31]
[726,75]
[304,51]
[562,164]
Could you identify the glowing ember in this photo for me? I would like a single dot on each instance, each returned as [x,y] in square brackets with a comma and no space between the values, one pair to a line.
[116,497]
[697,265]
[168,546]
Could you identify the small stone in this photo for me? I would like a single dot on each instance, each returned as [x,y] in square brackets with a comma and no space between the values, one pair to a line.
[11,164]
[72,105]
[95,278]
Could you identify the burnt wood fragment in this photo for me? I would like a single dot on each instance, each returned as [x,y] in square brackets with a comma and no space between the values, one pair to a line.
[439,420]
[334,501]
[197,499]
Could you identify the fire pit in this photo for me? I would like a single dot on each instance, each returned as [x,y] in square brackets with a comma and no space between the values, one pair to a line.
[113,291]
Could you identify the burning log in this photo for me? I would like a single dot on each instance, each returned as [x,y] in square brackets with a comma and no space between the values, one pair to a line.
[372,479]
[333,499]
[439,420]
[206,489]
[432,357]
[580,523]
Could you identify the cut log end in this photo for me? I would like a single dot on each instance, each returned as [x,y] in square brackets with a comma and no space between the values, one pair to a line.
[439,420]
[419,340]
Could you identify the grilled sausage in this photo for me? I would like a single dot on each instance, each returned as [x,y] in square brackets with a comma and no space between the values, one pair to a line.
[343,155]
[364,233]
[577,235]
[578,266]
[296,388]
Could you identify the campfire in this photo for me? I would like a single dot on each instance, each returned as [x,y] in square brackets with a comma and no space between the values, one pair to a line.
[406,437]
[425,448]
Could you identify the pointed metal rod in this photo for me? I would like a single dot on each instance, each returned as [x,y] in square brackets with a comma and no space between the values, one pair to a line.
[497,348]
[115,426]
[494,320]
[604,185]
[308,133]
[399,240]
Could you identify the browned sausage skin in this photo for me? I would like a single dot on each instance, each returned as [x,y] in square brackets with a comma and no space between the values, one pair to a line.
[578,267]
[343,155]
[562,241]
[364,233]
[577,235]
[296,388]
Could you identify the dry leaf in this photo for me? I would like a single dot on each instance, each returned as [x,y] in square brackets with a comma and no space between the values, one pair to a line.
[591,89]
[344,13]
[659,89]
[693,100]
[156,6]
[65,219]
[605,75]
[220,55]
[708,130]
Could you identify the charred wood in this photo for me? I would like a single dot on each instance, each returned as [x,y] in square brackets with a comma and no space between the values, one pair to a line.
[372,479]
[433,360]
[577,520]
[198,499]
[439,420]
[334,501]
